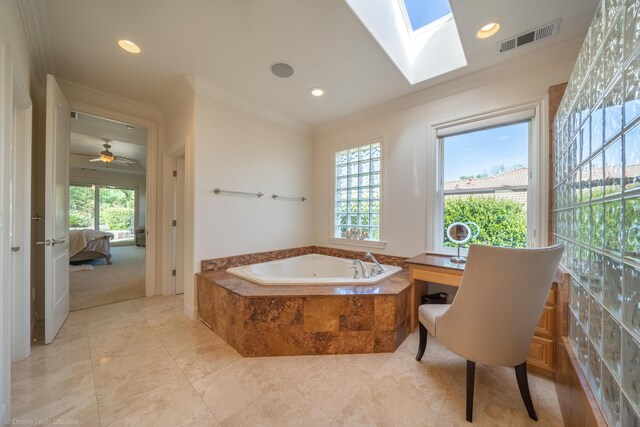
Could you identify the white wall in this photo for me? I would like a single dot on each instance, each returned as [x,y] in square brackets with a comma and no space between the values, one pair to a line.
[409,159]
[235,150]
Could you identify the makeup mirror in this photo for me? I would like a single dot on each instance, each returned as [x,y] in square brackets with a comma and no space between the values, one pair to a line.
[460,233]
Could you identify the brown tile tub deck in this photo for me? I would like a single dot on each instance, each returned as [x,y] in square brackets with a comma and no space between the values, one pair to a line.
[259,320]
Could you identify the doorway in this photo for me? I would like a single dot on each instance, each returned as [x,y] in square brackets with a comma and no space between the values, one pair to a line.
[107,211]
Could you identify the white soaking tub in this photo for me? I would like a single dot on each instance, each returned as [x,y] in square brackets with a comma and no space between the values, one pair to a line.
[312,269]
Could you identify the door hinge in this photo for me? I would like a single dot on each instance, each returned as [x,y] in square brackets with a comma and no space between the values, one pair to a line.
[173,273]
[175,173]
[174,223]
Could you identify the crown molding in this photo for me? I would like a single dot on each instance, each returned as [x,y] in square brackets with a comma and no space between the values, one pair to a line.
[33,14]
[86,95]
[248,105]
[561,52]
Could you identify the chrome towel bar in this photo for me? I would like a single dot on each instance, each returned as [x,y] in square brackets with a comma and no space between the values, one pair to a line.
[243,193]
[275,197]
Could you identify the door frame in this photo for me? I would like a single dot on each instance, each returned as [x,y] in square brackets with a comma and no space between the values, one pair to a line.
[151,190]
[183,146]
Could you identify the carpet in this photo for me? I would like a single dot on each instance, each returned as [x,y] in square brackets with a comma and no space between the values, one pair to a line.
[106,284]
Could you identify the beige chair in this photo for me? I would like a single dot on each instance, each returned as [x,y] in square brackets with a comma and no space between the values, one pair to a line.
[495,312]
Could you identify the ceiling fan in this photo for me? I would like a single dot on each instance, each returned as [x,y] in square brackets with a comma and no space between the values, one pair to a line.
[107,156]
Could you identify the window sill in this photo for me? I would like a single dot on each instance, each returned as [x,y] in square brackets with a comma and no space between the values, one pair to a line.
[362,243]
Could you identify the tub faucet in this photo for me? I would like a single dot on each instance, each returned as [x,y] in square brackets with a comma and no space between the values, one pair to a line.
[356,273]
[376,268]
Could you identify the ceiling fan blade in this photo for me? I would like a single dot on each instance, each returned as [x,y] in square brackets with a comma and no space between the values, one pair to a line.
[95,160]
[123,161]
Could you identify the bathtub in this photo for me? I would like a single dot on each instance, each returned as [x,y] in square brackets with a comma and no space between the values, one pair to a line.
[312,269]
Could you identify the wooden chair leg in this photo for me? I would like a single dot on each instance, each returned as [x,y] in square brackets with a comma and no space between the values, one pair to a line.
[423,342]
[471,376]
[523,385]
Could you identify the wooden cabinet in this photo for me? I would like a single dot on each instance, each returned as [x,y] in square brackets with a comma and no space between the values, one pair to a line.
[425,269]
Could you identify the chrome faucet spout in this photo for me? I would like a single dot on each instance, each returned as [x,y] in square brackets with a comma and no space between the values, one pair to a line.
[356,263]
[377,268]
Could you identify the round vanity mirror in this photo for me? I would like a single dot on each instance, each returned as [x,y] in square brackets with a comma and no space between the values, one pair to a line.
[460,233]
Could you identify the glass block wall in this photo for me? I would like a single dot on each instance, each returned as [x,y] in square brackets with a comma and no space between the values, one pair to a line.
[597,207]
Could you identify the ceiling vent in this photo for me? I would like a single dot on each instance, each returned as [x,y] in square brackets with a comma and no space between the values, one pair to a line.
[548,30]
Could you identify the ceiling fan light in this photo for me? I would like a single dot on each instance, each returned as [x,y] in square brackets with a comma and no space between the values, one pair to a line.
[106,159]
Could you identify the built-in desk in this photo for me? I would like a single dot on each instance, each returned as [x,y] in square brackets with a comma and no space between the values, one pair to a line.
[433,268]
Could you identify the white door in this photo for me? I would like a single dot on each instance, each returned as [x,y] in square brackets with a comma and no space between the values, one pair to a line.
[56,216]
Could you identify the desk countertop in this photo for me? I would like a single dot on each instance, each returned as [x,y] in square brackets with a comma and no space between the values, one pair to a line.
[434,260]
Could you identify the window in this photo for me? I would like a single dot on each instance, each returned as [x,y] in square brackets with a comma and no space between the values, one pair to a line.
[357,192]
[421,13]
[485,180]
[104,208]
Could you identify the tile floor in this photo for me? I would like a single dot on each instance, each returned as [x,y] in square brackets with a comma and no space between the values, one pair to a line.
[143,363]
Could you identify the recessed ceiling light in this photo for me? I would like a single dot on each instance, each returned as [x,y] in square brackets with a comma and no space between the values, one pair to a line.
[282,70]
[129,46]
[317,91]
[488,30]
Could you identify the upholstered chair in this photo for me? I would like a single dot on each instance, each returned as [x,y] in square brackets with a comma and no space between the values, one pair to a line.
[495,312]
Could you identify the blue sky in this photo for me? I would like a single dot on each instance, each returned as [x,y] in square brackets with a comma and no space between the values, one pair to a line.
[481,151]
[423,12]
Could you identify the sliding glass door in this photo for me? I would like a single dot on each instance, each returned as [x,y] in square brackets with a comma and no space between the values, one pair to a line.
[105,208]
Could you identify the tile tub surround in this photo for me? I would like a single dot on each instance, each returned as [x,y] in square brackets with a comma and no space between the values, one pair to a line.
[295,320]
[217,264]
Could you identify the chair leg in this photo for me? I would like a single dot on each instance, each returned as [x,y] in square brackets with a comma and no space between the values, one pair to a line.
[471,376]
[423,342]
[523,385]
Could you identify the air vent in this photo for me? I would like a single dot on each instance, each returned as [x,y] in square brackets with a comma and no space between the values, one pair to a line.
[528,37]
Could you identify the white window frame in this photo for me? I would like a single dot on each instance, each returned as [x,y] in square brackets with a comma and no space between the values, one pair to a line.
[538,164]
[375,244]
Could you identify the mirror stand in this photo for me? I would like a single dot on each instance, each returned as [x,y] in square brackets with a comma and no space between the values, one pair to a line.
[458,259]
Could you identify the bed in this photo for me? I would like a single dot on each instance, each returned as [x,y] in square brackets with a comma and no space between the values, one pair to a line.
[86,245]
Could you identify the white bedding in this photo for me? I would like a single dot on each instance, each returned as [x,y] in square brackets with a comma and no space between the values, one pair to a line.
[79,239]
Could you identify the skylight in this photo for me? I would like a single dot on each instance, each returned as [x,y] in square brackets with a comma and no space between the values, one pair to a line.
[420,36]
[421,13]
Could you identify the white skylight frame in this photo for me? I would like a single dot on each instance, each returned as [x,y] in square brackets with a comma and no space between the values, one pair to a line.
[431,51]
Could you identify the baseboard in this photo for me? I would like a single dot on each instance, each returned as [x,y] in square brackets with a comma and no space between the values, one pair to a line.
[577,402]
[190,312]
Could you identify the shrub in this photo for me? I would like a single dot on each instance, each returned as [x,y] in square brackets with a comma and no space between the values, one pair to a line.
[118,218]
[77,220]
[502,222]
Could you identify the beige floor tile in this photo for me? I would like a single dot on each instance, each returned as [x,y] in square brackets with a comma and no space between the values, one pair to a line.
[107,340]
[280,408]
[230,390]
[169,320]
[39,364]
[182,408]
[139,388]
[329,382]
[134,361]
[63,343]
[104,311]
[160,300]
[205,359]
[79,409]
[57,380]
[192,335]
[114,366]
[116,321]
